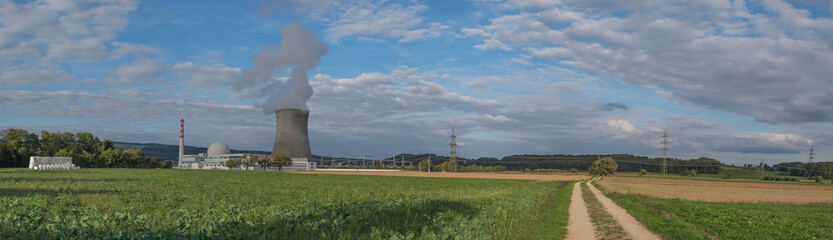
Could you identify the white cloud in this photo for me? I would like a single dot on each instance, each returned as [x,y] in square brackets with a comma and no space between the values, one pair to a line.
[37,37]
[770,63]
[139,69]
[551,52]
[498,118]
[382,19]
[622,126]
[218,77]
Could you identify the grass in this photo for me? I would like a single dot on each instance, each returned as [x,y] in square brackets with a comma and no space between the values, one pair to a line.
[167,203]
[553,223]
[683,219]
[606,226]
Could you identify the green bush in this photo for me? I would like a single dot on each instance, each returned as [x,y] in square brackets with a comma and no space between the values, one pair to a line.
[818,179]
[780,178]
[573,170]
[643,172]
[548,170]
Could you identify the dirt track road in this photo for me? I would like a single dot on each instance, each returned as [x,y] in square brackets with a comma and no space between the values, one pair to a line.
[631,225]
[579,226]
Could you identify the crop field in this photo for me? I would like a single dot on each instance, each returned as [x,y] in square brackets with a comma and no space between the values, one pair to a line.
[738,174]
[167,203]
[684,219]
[715,191]
[516,176]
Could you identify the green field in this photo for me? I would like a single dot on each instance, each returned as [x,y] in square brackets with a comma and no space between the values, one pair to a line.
[168,203]
[683,219]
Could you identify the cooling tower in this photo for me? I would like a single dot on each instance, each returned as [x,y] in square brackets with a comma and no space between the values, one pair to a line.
[291,136]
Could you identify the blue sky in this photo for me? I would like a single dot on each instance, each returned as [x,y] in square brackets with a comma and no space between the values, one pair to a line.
[734,80]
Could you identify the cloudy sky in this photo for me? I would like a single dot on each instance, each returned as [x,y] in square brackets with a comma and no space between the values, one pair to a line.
[734,80]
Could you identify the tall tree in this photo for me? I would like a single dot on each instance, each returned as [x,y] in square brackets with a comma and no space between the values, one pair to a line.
[111,157]
[264,162]
[603,167]
[425,165]
[248,160]
[232,163]
[19,146]
[280,161]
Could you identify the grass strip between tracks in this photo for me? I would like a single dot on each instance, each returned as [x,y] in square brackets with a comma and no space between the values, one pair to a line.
[605,224]
[659,221]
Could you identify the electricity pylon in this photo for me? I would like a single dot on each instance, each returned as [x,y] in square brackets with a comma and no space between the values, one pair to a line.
[811,153]
[452,160]
[664,153]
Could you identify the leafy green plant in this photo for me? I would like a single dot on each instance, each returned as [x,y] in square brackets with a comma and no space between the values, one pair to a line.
[177,204]
[643,172]
[681,219]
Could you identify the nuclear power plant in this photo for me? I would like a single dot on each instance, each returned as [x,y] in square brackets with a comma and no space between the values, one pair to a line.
[300,50]
[291,137]
[290,140]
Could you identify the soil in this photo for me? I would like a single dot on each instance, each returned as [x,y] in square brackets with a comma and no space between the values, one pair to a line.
[716,191]
[535,177]
[579,226]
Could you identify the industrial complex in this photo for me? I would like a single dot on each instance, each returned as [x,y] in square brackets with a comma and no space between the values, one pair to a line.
[290,140]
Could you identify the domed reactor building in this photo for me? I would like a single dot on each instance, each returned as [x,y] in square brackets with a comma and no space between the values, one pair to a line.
[219,152]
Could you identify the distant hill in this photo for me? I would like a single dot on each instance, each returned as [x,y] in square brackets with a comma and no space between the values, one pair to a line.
[171,152]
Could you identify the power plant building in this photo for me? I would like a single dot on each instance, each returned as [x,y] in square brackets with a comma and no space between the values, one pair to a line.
[219,152]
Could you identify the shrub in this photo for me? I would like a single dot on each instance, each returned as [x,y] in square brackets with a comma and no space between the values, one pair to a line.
[684,173]
[573,170]
[692,173]
[818,179]
[643,172]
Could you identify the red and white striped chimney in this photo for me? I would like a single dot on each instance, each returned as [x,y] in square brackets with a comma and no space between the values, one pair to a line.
[181,140]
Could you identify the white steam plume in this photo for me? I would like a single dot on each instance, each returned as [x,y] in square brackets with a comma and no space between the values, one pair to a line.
[300,50]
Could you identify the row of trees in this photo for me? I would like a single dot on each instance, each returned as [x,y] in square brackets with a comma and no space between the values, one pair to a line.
[447,166]
[823,169]
[251,160]
[626,162]
[85,149]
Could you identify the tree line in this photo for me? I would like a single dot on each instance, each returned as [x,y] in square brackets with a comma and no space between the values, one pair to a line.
[823,169]
[250,160]
[626,163]
[85,149]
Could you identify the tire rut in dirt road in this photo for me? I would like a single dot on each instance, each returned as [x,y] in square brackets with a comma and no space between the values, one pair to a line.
[579,226]
[630,224]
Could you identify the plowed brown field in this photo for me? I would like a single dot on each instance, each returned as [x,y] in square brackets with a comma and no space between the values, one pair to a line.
[536,177]
[716,191]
